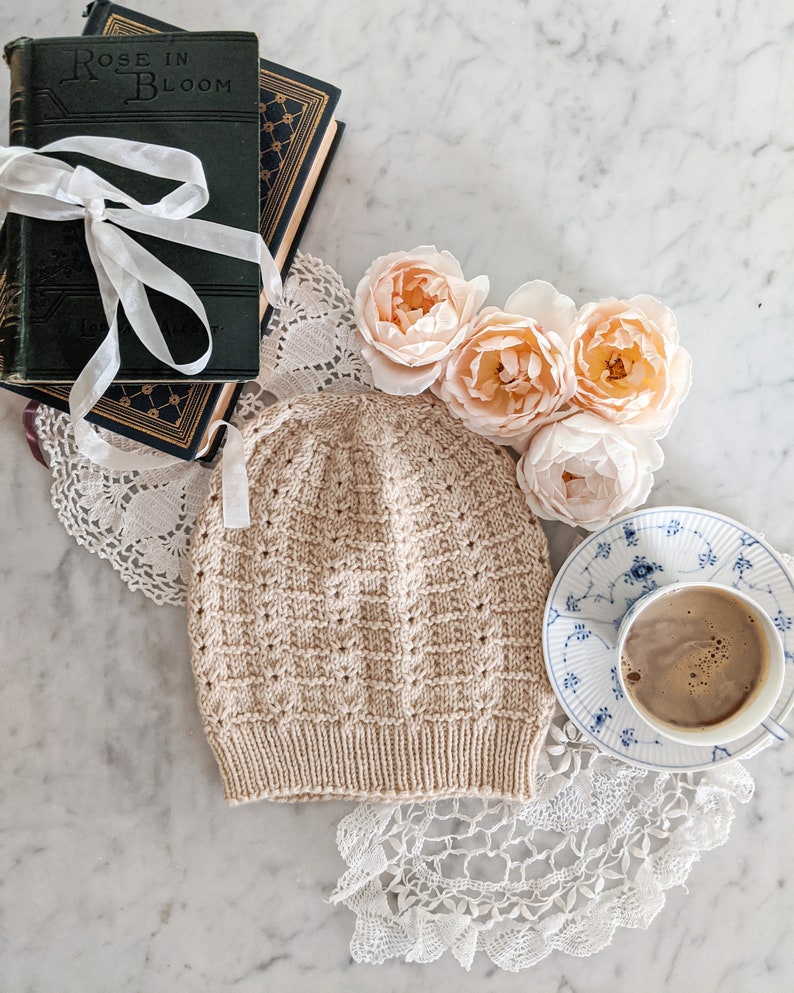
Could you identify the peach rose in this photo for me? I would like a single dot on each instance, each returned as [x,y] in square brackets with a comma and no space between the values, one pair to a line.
[629,365]
[412,309]
[512,373]
[586,471]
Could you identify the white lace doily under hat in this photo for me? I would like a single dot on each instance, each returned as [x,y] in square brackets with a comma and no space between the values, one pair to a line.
[594,851]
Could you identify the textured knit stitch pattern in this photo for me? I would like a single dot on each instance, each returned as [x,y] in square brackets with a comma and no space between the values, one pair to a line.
[376,632]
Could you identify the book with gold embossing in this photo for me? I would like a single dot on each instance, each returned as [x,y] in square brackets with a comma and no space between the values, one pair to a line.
[298,136]
[198,92]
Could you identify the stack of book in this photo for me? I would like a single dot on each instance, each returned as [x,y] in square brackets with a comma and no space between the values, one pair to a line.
[265,134]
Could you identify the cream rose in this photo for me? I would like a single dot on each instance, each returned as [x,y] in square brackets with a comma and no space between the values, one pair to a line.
[512,373]
[629,365]
[412,309]
[586,471]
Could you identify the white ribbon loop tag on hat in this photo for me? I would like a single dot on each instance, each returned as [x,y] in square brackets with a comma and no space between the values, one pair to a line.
[234,476]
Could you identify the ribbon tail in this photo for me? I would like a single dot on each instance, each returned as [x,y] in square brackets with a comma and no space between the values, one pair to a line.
[109,456]
[272,286]
[107,292]
[144,324]
[209,237]
[98,373]
[234,476]
[117,284]
[130,267]
[88,388]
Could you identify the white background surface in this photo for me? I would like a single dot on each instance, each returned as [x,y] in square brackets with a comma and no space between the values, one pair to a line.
[610,147]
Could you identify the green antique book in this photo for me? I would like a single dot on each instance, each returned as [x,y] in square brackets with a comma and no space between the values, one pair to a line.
[195,91]
[299,135]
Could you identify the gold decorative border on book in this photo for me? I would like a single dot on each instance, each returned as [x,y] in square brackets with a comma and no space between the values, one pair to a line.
[314,102]
[178,433]
[116,24]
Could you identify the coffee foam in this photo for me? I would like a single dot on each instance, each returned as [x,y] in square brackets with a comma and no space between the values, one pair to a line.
[694,657]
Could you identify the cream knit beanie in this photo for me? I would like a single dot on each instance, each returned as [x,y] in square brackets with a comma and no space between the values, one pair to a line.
[376,632]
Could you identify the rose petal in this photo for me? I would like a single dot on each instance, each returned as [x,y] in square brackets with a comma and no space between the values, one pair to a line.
[544,304]
[399,380]
[661,316]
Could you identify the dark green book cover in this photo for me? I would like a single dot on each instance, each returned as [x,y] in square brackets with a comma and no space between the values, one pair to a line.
[298,137]
[299,132]
[196,91]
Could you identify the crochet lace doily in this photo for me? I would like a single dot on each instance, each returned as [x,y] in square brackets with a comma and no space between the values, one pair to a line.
[141,521]
[595,850]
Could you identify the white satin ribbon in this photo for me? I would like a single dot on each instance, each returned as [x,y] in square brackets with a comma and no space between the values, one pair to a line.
[47,188]
[234,476]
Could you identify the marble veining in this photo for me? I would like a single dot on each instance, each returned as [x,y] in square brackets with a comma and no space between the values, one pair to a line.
[612,148]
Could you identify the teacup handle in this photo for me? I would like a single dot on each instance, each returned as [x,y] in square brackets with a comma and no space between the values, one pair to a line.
[776,730]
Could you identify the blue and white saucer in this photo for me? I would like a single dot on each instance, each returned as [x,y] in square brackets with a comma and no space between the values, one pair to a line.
[612,569]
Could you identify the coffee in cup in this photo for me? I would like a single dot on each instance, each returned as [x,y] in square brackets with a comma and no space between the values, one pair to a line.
[700,662]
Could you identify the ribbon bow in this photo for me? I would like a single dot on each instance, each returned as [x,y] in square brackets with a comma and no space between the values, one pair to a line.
[37,186]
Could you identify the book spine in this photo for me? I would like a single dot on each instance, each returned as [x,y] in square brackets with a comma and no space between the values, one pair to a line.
[96,14]
[99,13]
[12,288]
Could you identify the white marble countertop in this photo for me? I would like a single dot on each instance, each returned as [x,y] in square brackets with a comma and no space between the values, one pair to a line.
[610,147]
